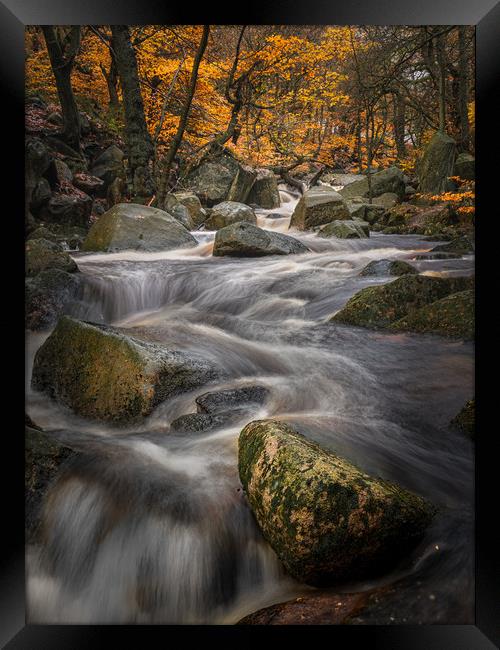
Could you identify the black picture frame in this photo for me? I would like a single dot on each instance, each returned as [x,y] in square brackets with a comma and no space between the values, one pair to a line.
[485,14]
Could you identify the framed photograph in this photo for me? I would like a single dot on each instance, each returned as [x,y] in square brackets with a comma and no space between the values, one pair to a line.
[250,247]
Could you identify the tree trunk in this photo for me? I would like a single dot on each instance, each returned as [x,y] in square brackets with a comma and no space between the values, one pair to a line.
[139,143]
[62,59]
[177,139]
[399,125]
[463,90]
[442,81]
[111,77]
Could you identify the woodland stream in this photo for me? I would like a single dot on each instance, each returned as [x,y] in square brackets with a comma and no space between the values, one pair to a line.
[149,525]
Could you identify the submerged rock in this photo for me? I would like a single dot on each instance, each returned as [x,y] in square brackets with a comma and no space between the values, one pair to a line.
[382,305]
[326,519]
[222,408]
[246,240]
[387,180]
[223,400]
[345,229]
[227,213]
[436,165]
[264,192]
[101,373]
[42,254]
[46,297]
[319,205]
[451,316]
[388,267]
[131,226]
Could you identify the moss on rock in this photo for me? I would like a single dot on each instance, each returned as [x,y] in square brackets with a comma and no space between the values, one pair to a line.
[380,306]
[451,316]
[101,373]
[325,518]
[42,254]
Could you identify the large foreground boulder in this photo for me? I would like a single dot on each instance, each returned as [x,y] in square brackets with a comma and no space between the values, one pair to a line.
[229,212]
[437,164]
[318,206]
[42,254]
[246,240]
[326,519]
[138,227]
[101,373]
[221,179]
[264,192]
[387,180]
[47,296]
[383,305]
[345,229]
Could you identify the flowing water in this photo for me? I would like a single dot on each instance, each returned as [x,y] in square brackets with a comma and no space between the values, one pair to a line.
[148,525]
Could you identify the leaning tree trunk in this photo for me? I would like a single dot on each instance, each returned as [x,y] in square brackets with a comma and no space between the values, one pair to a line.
[177,139]
[139,143]
[61,59]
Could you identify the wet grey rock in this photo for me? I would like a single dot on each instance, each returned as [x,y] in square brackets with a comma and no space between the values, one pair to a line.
[264,192]
[46,297]
[227,213]
[131,226]
[318,206]
[247,240]
[386,180]
[42,254]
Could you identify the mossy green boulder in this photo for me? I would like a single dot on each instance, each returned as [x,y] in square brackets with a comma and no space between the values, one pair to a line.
[381,306]
[101,373]
[131,226]
[451,316]
[42,254]
[326,519]
[459,245]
